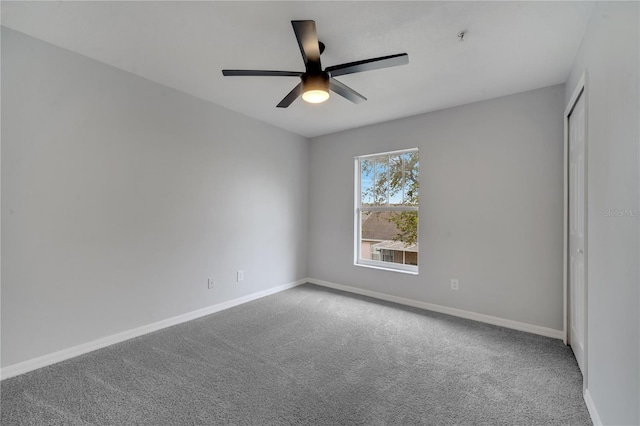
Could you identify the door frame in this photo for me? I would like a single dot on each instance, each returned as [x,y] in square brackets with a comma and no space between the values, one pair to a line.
[580,89]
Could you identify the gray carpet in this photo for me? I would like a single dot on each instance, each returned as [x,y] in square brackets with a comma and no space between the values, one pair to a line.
[309,356]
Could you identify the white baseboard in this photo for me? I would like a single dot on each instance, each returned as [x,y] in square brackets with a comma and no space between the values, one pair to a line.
[595,418]
[52,358]
[516,325]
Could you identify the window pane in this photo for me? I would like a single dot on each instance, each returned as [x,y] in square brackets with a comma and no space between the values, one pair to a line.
[390,180]
[396,180]
[389,236]
[381,184]
[366,182]
[411,162]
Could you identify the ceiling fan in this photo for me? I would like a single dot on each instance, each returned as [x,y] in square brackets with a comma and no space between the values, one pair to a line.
[316,83]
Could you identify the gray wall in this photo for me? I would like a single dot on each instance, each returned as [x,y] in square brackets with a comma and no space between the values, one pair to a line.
[120,197]
[491,206]
[609,53]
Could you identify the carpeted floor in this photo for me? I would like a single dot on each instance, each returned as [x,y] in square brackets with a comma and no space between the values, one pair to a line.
[310,356]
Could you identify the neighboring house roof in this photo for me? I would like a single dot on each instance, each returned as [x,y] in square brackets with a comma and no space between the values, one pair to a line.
[396,245]
[377,226]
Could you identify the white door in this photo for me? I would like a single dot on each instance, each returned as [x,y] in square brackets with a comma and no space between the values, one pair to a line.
[577,296]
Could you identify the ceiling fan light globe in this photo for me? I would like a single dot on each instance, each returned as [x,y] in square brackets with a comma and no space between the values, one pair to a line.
[315,96]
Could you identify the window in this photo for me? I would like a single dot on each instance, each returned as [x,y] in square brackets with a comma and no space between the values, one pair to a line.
[386,211]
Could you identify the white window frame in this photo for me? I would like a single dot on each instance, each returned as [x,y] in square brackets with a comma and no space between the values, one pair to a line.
[369,263]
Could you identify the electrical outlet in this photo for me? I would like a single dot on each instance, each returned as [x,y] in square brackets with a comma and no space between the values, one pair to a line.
[455,285]
[210,283]
[240,276]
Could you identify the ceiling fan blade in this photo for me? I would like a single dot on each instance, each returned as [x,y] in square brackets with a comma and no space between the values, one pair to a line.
[292,96]
[346,91]
[368,64]
[260,73]
[308,41]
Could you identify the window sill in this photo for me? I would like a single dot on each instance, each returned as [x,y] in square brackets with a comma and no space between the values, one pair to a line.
[387,268]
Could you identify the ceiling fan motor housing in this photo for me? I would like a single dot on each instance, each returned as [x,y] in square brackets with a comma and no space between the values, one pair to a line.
[315,87]
[315,81]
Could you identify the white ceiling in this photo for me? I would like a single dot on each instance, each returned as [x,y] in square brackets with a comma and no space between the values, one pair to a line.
[510,47]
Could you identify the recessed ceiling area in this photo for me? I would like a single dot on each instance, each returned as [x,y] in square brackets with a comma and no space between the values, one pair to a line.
[508,47]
